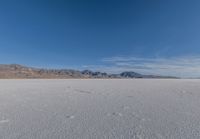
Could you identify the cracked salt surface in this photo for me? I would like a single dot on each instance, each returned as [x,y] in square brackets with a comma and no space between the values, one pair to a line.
[4,121]
[100,109]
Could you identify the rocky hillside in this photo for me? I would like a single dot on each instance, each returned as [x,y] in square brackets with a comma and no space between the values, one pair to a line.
[15,71]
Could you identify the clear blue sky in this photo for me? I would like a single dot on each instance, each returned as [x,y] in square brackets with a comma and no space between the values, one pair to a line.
[110,35]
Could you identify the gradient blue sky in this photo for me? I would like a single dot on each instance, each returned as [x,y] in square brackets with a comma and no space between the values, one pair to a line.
[148,36]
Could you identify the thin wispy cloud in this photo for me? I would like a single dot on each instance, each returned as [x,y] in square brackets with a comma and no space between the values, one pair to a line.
[176,66]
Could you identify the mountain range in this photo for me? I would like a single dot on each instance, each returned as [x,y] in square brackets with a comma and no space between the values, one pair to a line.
[15,71]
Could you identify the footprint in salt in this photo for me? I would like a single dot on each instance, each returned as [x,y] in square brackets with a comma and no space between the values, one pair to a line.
[130,96]
[183,93]
[139,118]
[115,114]
[126,107]
[70,116]
[134,115]
[83,91]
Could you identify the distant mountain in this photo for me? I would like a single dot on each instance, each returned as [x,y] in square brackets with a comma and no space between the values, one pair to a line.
[15,71]
[131,75]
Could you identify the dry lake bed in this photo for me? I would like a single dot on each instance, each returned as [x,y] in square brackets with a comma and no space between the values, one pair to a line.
[100,109]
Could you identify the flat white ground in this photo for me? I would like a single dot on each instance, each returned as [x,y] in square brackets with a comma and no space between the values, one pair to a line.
[100,109]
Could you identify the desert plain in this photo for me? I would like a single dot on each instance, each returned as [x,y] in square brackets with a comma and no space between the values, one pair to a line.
[100,109]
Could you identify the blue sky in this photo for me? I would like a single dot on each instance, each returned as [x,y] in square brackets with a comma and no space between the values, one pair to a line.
[147,36]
